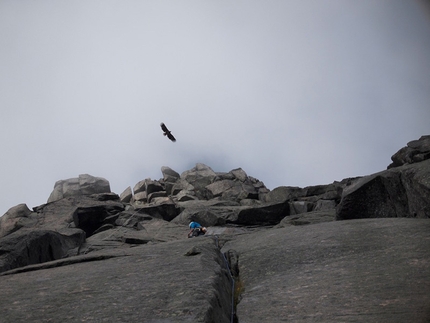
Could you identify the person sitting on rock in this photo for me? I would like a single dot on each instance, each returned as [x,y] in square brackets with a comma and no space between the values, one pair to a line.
[196,229]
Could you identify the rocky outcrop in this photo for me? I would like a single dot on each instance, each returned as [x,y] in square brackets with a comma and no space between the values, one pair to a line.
[402,191]
[16,218]
[415,151]
[266,255]
[28,247]
[215,199]
[53,230]
[309,199]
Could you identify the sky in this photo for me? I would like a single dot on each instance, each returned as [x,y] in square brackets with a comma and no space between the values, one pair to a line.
[296,93]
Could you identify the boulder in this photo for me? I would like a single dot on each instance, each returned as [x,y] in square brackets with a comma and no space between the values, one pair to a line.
[156,194]
[297,207]
[153,186]
[324,205]
[402,191]
[161,207]
[240,191]
[268,214]
[310,198]
[205,204]
[85,212]
[240,174]
[182,185]
[93,185]
[232,190]
[131,218]
[140,186]
[205,216]
[26,247]
[16,218]
[59,214]
[415,151]
[140,196]
[60,217]
[169,175]
[221,212]
[283,194]
[148,185]
[55,215]
[168,186]
[315,190]
[199,177]
[126,196]
[105,197]
[83,185]
[183,196]
[220,176]
[207,213]
[219,187]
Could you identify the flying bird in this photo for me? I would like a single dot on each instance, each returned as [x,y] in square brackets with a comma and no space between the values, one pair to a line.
[166,132]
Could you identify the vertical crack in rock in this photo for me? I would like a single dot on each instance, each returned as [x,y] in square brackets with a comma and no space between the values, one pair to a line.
[231,260]
[219,286]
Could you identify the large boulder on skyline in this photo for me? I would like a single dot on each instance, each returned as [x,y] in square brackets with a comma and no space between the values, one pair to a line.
[15,218]
[199,177]
[169,175]
[85,184]
[402,191]
[415,151]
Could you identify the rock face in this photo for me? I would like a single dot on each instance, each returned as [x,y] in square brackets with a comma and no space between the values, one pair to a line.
[28,247]
[372,270]
[403,190]
[268,256]
[169,282]
[397,192]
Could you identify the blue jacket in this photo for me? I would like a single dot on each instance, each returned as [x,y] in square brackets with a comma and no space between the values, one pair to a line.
[194,225]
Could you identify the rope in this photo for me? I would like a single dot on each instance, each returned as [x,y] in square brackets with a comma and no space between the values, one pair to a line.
[232,281]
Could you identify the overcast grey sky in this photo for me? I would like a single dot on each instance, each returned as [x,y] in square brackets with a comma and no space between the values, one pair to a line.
[296,93]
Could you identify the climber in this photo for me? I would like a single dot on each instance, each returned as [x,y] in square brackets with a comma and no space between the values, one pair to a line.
[196,229]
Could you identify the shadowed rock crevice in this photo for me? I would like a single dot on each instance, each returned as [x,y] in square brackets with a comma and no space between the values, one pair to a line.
[232,259]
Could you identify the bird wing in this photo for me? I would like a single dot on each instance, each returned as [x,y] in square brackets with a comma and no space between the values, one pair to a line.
[167,132]
[170,136]
[163,127]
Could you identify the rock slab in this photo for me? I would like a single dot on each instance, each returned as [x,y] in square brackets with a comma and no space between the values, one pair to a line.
[169,282]
[370,270]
